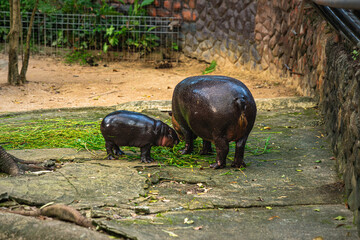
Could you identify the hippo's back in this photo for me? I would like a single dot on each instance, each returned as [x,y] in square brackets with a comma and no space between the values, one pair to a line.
[127,128]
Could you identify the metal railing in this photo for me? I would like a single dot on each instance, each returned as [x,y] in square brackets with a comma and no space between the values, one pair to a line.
[113,36]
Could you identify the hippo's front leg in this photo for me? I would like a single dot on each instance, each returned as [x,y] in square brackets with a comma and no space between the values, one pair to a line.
[222,149]
[109,149]
[145,154]
[239,153]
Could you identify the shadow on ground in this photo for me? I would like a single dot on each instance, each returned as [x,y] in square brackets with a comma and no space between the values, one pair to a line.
[290,189]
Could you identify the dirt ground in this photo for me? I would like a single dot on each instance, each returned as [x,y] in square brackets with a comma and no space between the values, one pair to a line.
[54,84]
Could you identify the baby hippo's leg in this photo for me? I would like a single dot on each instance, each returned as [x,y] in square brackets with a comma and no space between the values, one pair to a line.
[145,154]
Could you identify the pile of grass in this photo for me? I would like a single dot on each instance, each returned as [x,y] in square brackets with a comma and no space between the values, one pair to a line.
[52,133]
[70,133]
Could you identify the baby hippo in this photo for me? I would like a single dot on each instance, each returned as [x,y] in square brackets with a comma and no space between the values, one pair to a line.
[125,128]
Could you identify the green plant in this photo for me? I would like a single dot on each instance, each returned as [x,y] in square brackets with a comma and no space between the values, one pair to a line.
[144,42]
[60,40]
[113,37]
[210,68]
[139,9]
[174,46]
[355,54]
[78,56]
[3,33]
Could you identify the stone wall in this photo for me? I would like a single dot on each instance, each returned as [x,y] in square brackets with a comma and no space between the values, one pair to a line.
[340,105]
[221,30]
[291,39]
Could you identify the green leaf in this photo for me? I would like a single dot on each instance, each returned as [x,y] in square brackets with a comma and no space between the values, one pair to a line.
[317,210]
[318,161]
[211,68]
[113,41]
[339,218]
[269,208]
[109,31]
[130,10]
[299,170]
[146,2]
[226,173]
[105,48]
[152,28]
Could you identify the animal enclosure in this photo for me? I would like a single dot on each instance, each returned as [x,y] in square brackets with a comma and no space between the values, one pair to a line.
[114,37]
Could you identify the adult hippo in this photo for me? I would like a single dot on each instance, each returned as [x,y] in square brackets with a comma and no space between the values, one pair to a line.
[218,109]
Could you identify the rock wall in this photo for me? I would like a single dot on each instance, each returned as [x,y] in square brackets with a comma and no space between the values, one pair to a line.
[340,105]
[215,30]
[291,39]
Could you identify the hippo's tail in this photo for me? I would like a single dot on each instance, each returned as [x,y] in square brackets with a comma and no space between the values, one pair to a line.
[240,103]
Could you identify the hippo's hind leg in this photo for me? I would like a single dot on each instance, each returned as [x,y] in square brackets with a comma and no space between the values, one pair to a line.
[117,151]
[145,154]
[189,141]
[222,149]
[239,153]
[110,146]
[207,149]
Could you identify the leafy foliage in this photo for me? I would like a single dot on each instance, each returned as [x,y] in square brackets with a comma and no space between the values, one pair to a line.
[138,9]
[79,56]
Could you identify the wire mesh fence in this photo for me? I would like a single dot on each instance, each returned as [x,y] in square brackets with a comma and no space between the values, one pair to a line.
[112,37]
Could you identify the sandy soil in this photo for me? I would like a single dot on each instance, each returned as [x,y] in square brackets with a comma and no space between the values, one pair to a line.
[54,84]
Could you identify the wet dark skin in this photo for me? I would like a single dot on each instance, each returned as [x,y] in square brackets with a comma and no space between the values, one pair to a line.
[217,109]
[125,128]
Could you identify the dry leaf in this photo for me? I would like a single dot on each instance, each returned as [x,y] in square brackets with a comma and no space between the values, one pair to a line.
[198,228]
[171,234]
[271,218]
[340,225]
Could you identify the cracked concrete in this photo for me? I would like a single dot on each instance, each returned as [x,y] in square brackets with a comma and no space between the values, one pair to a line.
[290,189]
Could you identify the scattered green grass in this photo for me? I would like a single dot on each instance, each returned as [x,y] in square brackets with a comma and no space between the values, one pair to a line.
[80,135]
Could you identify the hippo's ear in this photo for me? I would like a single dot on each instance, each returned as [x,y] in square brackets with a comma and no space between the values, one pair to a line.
[170,113]
[159,125]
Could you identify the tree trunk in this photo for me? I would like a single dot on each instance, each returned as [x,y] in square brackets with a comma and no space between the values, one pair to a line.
[14,34]
[25,62]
